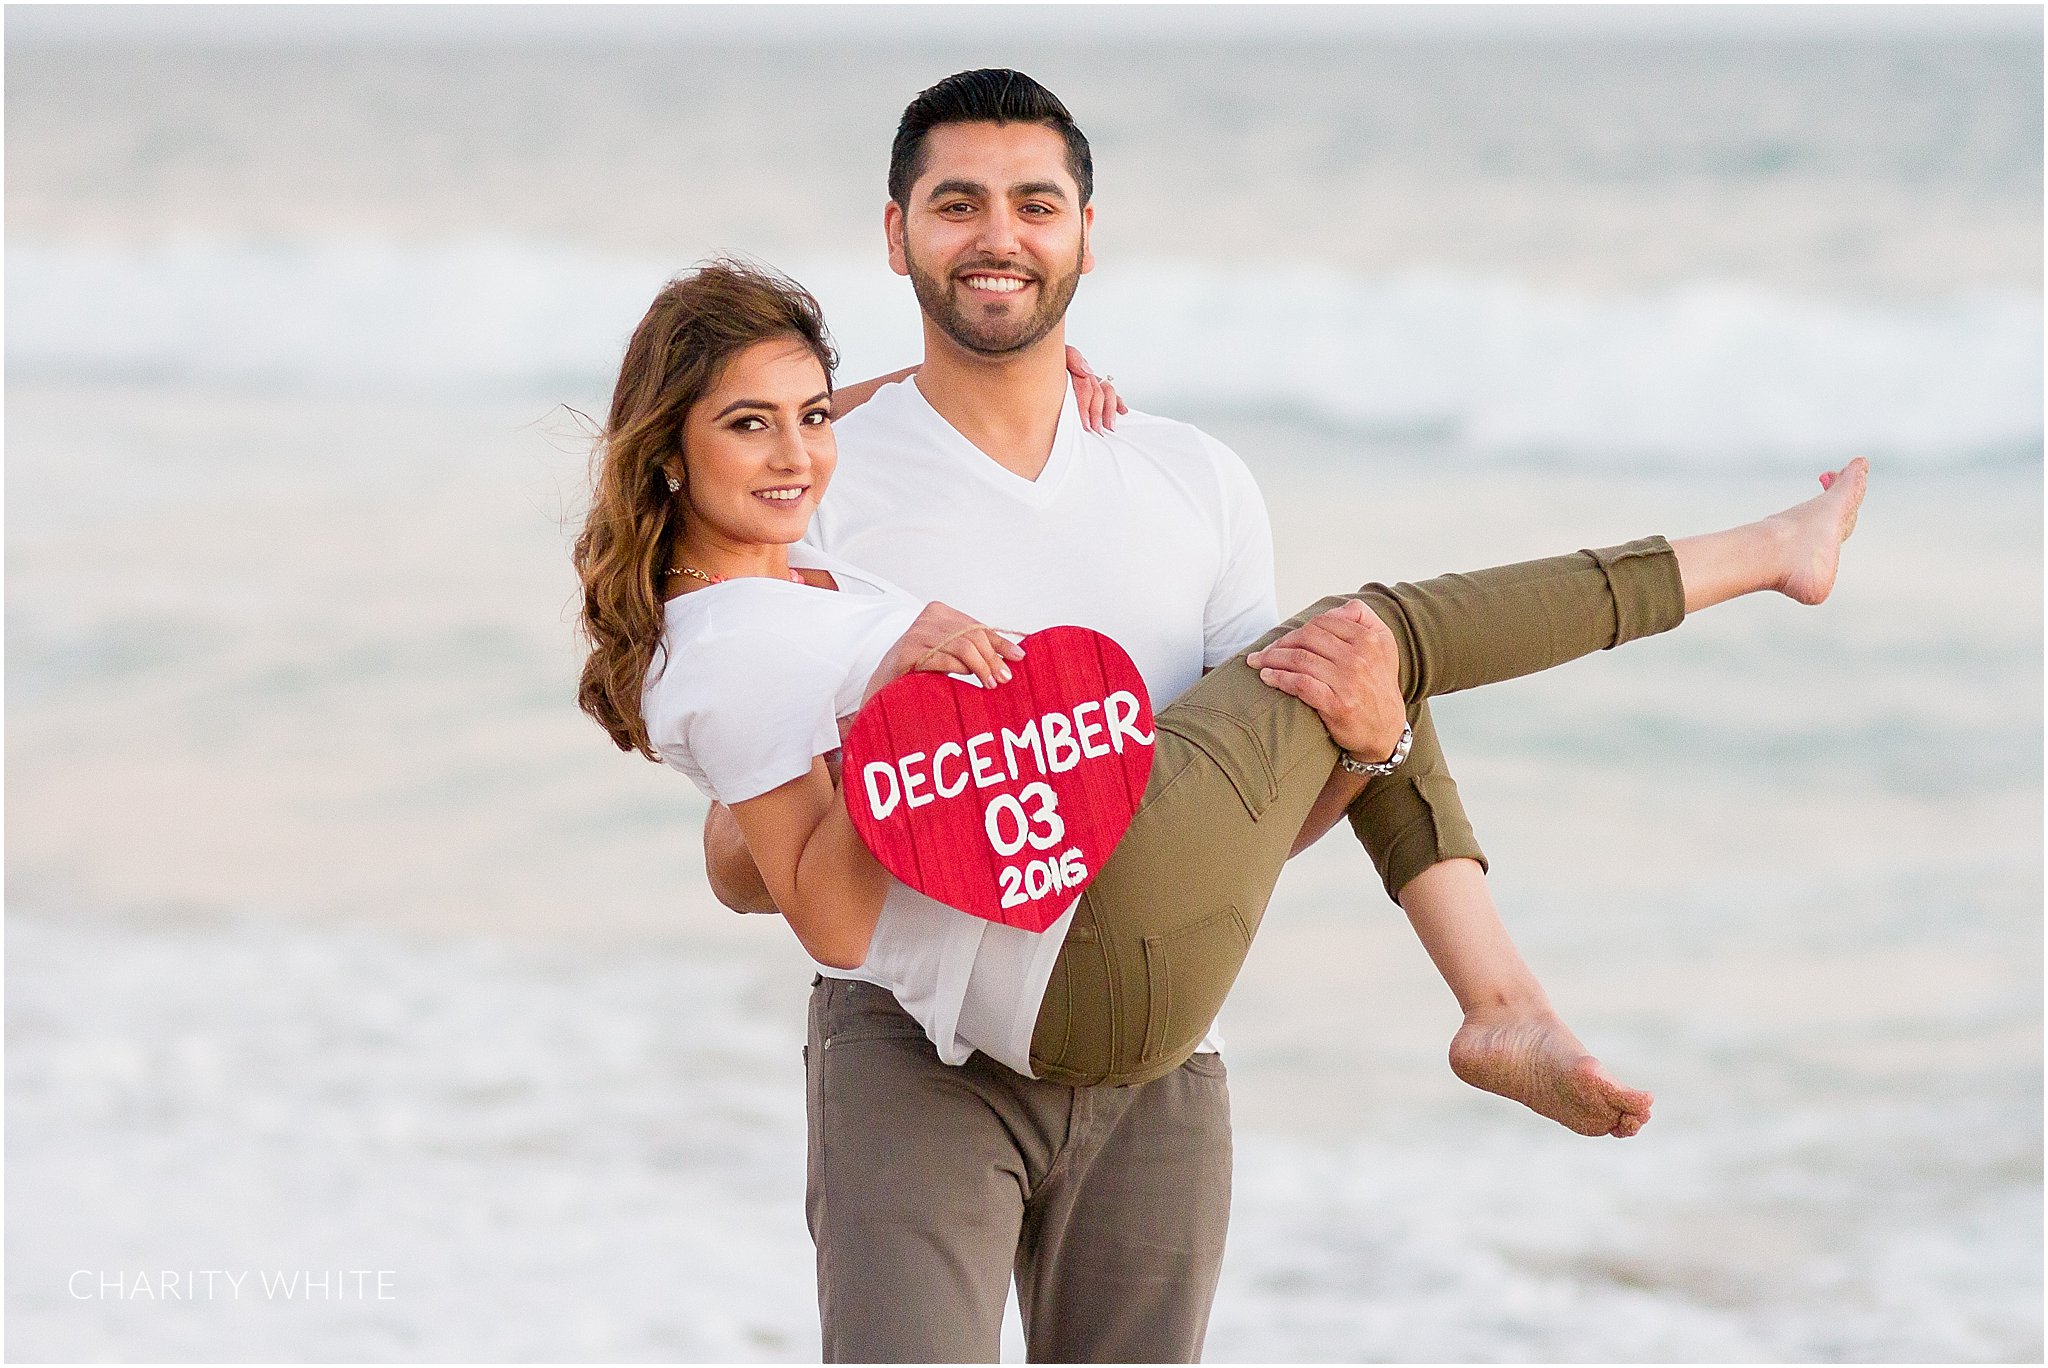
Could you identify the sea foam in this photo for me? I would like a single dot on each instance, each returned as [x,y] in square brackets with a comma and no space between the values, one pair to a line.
[1705,372]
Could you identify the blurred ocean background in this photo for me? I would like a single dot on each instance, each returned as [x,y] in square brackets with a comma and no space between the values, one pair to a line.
[338,939]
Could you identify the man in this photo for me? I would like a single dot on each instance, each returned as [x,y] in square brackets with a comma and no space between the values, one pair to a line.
[931,1181]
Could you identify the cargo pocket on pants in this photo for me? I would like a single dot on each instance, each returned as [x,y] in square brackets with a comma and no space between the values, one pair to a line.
[1188,973]
[1232,746]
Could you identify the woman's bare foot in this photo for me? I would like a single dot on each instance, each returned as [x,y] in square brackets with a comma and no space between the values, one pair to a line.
[1795,552]
[1533,1058]
[1815,530]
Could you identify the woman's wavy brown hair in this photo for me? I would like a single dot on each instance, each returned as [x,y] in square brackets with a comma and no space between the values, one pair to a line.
[695,326]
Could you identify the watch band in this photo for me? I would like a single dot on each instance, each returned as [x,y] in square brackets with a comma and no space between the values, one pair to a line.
[1377,768]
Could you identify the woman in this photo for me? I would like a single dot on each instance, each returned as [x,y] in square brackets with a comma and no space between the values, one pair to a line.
[713,651]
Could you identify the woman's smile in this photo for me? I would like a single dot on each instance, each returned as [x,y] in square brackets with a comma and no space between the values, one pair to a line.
[757,453]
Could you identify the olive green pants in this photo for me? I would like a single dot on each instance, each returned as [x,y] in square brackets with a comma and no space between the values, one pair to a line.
[1159,936]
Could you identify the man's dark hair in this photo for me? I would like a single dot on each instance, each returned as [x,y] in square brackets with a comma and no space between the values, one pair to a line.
[991,95]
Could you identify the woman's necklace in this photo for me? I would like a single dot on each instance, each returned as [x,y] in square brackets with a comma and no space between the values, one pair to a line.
[694,573]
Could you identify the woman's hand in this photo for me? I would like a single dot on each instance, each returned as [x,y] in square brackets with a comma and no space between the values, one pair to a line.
[1094,394]
[947,641]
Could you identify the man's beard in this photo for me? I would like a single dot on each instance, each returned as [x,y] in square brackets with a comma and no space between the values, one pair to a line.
[1001,335]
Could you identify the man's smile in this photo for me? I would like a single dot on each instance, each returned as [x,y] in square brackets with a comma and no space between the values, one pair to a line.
[993,284]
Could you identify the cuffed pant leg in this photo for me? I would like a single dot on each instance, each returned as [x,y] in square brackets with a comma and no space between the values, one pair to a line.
[1238,764]
[1123,1242]
[1462,631]
[1413,818]
[916,1186]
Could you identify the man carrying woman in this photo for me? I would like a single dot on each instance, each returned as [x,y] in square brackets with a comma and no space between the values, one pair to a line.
[956,1134]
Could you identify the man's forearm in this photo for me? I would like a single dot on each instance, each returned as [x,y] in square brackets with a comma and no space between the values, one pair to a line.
[729,866]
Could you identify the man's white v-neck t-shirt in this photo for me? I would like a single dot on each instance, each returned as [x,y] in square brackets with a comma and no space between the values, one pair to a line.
[1155,534]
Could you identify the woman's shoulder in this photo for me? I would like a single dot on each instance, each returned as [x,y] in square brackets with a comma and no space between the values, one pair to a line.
[715,663]
[749,668]
[740,695]
[738,627]
[751,638]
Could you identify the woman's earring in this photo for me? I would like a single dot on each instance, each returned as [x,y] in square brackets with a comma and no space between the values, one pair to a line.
[674,484]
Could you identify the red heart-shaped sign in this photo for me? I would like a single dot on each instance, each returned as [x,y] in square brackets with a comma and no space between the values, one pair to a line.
[1004,802]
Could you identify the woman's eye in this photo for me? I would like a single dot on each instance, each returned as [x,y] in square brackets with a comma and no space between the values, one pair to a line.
[818,417]
[750,423]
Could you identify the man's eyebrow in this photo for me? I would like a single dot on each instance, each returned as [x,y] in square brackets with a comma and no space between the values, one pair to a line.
[976,190]
[1039,190]
[736,405]
[957,187]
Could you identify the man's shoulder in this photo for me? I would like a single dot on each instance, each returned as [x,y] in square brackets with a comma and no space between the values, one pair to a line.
[886,414]
[1149,428]
[1178,444]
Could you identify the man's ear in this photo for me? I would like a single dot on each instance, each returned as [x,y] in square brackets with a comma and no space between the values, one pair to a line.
[1087,237]
[893,225]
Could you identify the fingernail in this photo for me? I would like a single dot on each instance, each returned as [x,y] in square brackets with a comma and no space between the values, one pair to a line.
[1266,675]
[1003,673]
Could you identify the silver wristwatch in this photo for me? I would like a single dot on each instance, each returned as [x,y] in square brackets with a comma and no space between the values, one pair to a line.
[1376,768]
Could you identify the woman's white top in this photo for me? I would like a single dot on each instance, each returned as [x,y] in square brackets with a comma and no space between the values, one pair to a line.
[749,690]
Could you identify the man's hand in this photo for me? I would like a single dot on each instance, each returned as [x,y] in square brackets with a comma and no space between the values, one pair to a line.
[1345,665]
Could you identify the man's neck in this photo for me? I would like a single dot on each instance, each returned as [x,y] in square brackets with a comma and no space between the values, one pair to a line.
[1008,406]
